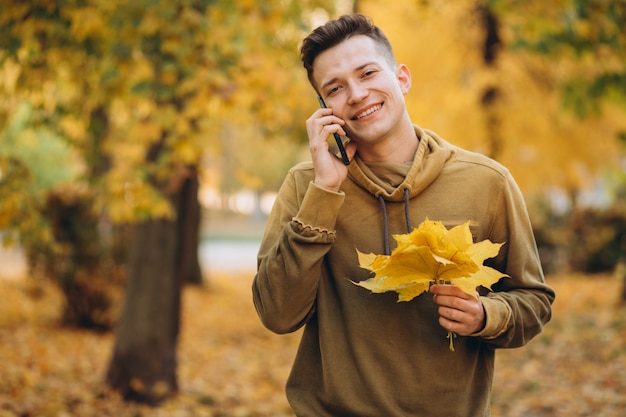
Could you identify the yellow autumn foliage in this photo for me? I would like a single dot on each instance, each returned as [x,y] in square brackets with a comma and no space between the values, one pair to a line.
[428,255]
[442,43]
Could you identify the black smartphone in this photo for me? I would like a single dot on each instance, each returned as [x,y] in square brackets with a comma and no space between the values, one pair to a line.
[342,150]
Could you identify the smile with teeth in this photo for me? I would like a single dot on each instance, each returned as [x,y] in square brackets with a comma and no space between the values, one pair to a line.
[368,111]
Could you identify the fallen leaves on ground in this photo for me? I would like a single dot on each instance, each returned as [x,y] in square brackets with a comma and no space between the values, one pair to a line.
[577,366]
[230,366]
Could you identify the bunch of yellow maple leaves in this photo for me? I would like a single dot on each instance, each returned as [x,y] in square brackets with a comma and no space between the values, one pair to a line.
[432,254]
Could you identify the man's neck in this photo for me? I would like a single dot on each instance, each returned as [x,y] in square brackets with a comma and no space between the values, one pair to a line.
[395,149]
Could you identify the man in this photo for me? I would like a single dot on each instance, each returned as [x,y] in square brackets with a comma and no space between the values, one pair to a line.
[364,354]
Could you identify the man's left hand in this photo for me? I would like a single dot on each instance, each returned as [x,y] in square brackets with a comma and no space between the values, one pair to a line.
[458,312]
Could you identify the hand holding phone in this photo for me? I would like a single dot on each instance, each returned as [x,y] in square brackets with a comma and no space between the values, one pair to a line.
[342,149]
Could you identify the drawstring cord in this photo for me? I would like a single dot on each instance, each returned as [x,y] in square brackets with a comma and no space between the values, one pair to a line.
[386,220]
[406,210]
[385,224]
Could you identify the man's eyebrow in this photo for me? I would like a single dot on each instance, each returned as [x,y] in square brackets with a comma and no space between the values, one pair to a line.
[329,82]
[334,79]
[360,67]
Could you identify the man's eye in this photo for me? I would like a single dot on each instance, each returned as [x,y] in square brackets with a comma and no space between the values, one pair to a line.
[333,90]
[369,73]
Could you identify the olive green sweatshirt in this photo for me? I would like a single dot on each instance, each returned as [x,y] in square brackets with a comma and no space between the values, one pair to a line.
[365,354]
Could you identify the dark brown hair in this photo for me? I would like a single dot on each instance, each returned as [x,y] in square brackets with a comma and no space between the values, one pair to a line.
[337,31]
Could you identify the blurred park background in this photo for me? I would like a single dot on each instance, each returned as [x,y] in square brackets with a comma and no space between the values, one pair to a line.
[141,145]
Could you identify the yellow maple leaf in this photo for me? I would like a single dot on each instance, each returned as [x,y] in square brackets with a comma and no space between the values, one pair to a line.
[431,254]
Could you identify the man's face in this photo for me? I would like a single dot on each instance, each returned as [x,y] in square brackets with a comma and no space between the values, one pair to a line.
[361,87]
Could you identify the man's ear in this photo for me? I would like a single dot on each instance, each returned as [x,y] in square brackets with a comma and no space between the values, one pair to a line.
[404,78]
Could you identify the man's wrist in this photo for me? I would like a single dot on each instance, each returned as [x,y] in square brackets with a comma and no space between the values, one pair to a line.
[327,187]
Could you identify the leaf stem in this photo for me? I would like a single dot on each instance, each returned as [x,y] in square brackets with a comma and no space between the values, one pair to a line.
[451,336]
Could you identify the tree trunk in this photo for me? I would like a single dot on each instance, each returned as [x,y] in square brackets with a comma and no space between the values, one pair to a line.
[143,366]
[163,256]
[491,96]
[189,231]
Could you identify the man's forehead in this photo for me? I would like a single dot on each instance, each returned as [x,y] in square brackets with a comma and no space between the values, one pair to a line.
[349,55]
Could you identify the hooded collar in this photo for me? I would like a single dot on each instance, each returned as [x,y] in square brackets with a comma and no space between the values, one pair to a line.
[430,158]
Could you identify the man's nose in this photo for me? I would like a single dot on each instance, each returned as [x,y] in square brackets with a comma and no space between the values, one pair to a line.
[357,93]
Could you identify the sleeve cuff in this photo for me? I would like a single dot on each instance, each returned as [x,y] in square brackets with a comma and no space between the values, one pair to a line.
[319,208]
[497,317]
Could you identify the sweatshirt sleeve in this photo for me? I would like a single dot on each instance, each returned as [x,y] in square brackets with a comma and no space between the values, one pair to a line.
[299,233]
[519,306]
